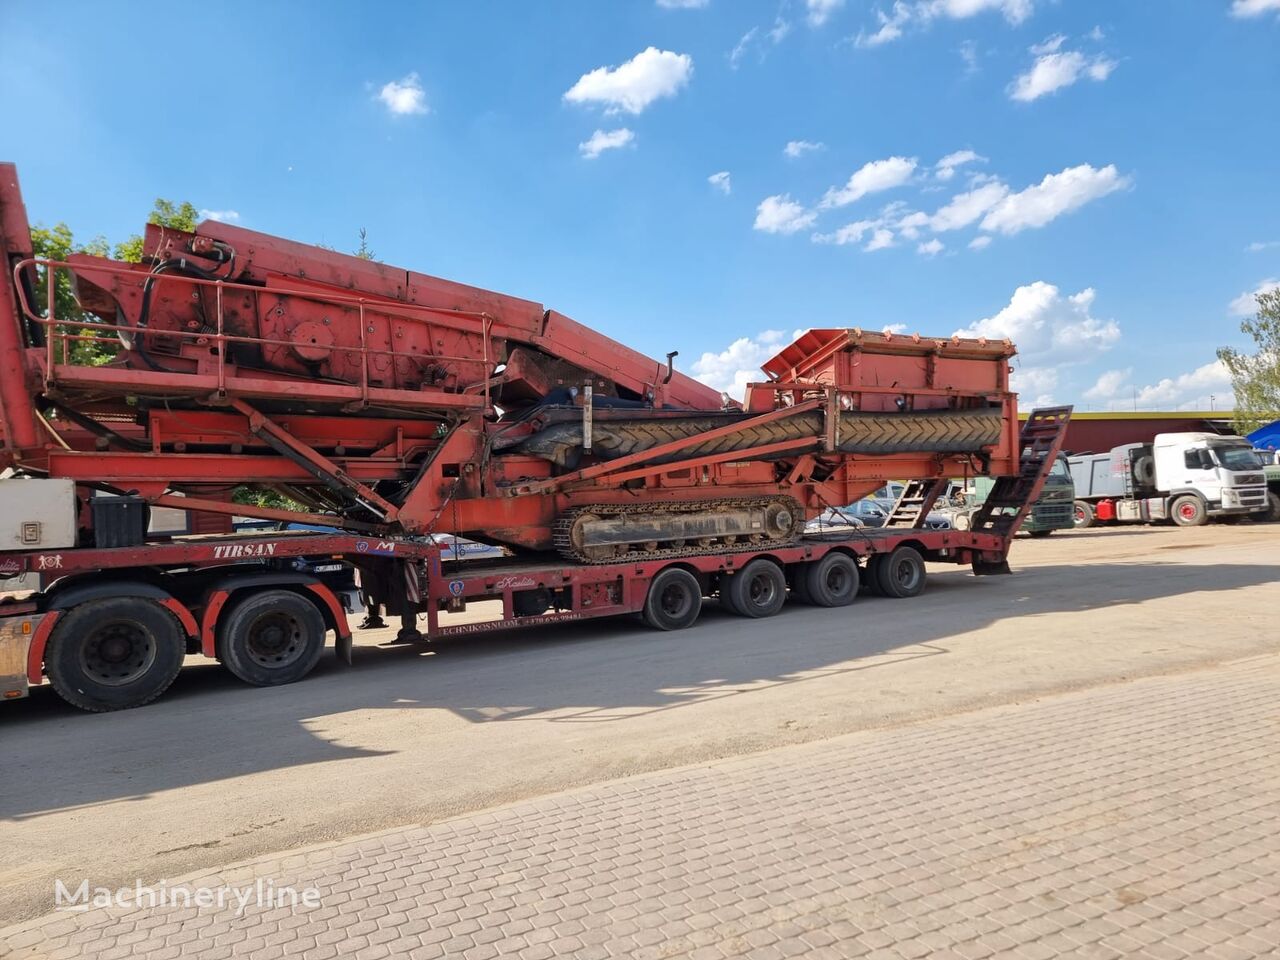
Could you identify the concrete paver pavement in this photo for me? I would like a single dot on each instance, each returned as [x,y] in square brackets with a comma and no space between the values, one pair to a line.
[1134,820]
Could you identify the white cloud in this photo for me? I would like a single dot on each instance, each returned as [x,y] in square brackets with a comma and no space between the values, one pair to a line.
[648,76]
[931,248]
[922,12]
[873,177]
[1055,69]
[910,225]
[1056,194]
[781,214]
[849,233]
[969,54]
[966,208]
[894,328]
[1246,305]
[881,239]
[683,4]
[603,140]
[1206,385]
[1254,8]
[222,216]
[820,11]
[1051,45]
[733,368]
[891,26]
[980,243]
[945,168]
[1259,245]
[721,181]
[753,38]
[1049,328]
[1109,384]
[404,97]
[798,148]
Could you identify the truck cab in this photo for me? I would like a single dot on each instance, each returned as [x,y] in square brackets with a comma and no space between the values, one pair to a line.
[1184,477]
[1224,472]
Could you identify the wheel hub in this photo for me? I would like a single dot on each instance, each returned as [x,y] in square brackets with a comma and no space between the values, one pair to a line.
[118,653]
[275,639]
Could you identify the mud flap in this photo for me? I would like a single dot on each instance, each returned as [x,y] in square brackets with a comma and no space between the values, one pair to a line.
[342,647]
[987,568]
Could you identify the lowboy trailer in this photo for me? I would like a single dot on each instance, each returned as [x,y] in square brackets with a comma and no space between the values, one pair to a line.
[114,624]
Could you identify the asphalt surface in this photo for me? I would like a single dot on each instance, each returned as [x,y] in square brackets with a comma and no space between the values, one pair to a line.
[216,772]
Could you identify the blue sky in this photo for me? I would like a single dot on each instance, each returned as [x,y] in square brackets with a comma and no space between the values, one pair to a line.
[1111,193]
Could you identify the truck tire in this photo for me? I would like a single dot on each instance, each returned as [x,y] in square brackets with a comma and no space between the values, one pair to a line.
[901,574]
[831,581]
[114,653]
[1082,515]
[871,575]
[271,637]
[1273,507]
[758,590]
[674,600]
[1144,471]
[1189,511]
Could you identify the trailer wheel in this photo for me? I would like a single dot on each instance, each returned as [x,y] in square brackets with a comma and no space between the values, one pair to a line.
[674,600]
[272,637]
[832,581]
[1082,515]
[901,574]
[114,653]
[1189,511]
[759,589]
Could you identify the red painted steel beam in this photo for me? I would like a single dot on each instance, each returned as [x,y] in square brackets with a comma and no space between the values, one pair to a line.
[215,469]
[17,408]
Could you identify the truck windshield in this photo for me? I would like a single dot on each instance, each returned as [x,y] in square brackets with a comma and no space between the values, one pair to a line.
[1237,458]
[1059,469]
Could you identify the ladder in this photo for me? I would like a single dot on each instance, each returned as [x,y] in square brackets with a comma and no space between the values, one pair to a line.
[1011,498]
[918,498]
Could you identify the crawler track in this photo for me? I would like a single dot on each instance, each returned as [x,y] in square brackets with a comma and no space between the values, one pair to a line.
[564,541]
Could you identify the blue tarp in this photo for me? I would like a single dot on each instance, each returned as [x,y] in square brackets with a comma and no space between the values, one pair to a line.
[1266,438]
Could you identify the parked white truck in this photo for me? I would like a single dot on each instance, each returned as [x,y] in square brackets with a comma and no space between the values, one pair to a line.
[1184,477]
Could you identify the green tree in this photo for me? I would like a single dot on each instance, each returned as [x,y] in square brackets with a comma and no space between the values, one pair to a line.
[58,242]
[1256,377]
[165,213]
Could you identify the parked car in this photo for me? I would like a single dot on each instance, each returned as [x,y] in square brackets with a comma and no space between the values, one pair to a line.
[869,512]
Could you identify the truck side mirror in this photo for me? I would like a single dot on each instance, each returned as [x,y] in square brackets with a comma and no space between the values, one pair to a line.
[1206,460]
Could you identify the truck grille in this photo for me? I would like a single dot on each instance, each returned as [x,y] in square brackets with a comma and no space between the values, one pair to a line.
[1250,479]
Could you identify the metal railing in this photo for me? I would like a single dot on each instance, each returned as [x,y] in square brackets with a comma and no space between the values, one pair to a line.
[57,335]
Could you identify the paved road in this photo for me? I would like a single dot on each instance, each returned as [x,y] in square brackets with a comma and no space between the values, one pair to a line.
[217,773]
[1138,820]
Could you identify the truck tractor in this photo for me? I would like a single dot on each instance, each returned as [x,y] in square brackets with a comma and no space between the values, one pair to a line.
[1188,478]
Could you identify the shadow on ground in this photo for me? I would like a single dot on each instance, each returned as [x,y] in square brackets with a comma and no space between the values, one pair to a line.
[579,673]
